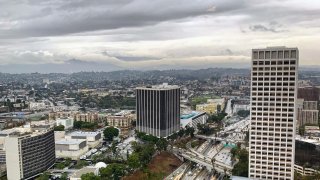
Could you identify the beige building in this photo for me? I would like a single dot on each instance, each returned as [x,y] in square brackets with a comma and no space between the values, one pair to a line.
[122,120]
[75,115]
[212,106]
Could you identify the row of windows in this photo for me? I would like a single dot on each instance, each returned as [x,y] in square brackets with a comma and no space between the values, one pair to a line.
[272,123]
[272,163]
[278,62]
[267,84]
[270,177]
[269,101]
[277,139]
[270,138]
[283,87]
[286,79]
[271,118]
[283,114]
[277,144]
[274,54]
[272,69]
[266,96]
[267,108]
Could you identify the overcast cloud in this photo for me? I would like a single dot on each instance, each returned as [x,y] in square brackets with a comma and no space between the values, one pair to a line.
[144,34]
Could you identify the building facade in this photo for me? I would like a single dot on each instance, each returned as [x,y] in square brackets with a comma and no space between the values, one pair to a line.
[29,153]
[93,139]
[193,119]
[122,120]
[273,98]
[158,110]
[308,113]
[71,148]
[75,115]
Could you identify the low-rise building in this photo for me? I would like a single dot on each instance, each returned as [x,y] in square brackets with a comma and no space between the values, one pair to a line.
[212,106]
[75,115]
[193,119]
[93,139]
[313,131]
[122,120]
[66,122]
[71,148]
[37,105]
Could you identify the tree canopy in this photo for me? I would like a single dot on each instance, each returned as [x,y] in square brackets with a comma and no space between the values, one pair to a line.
[90,176]
[110,132]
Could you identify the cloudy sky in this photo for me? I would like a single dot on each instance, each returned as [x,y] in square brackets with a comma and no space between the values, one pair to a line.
[72,35]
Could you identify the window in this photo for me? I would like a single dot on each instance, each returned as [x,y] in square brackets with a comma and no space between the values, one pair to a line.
[255,55]
[293,54]
[261,54]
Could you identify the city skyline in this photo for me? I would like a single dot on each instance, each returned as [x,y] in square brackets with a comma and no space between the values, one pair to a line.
[117,35]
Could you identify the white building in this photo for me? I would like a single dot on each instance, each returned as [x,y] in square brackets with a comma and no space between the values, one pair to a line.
[93,138]
[71,148]
[66,122]
[37,105]
[28,151]
[193,118]
[273,97]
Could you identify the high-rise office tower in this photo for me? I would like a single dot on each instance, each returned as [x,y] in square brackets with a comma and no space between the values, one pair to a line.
[158,109]
[272,129]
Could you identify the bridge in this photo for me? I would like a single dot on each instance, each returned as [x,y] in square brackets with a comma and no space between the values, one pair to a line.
[204,161]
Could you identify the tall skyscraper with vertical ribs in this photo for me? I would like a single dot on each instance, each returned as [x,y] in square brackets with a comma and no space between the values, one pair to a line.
[158,109]
[274,76]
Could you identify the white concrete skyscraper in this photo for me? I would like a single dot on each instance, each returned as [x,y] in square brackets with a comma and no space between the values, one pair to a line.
[274,76]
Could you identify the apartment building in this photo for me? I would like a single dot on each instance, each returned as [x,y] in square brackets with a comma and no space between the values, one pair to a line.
[273,98]
[29,151]
[75,115]
[308,113]
[122,120]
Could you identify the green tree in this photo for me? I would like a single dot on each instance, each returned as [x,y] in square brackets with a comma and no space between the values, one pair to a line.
[189,131]
[60,166]
[64,176]
[134,161]
[44,176]
[110,133]
[243,113]
[241,168]
[181,132]
[114,171]
[301,130]
[59,128]
[81,163]
[162,144]
[90,176]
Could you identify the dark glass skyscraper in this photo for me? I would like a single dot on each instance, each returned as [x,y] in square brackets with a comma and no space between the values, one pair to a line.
[158,109]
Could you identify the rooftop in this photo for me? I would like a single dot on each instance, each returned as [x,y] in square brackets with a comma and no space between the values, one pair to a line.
[84,134]
[82,171]
[164,86]
[69,141]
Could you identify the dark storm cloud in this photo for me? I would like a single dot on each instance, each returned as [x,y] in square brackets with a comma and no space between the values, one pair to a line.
[51,18]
